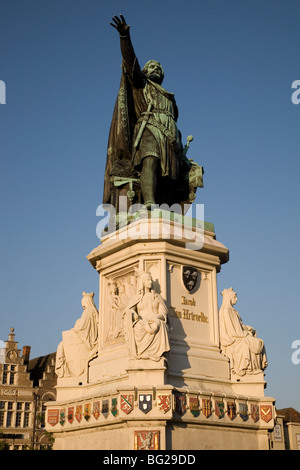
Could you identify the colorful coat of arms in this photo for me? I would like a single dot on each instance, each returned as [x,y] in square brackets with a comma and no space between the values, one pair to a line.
[146,440]
[163,403]
[206,407]
[231,409]
[87,411]
[62,416]
[219,409]
[114,406]
[180,404]
[71,414]
[266,413]
[105,408]
[254,412]
[96,409]
[145,402]
[194,406]
[189,277]
[243,411]
[78,414]
[53,416]
[127,403]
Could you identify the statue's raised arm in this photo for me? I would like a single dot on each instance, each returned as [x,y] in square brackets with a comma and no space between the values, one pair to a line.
[130,62]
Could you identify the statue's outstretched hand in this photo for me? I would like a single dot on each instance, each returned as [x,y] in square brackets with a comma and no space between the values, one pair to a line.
[120,24]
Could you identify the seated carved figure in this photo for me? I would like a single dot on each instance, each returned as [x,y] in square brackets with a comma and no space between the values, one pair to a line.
[145,323]
[239,343]
[79,345]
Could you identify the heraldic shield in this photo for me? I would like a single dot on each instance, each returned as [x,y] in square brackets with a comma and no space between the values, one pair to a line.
[145,403]
[189,277]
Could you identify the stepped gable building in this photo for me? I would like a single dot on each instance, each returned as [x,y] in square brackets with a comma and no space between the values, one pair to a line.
[24,387]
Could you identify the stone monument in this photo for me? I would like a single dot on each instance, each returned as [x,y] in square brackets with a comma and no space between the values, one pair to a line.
[158,367]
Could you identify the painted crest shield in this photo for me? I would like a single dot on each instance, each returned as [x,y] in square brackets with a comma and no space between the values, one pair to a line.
[194,406]
[146,440]
[53,416]
[189,277]
[180,404]
[114,406]
[127,402]
[62,416]
[105,408]
[87,411]
[96,409]
[206,407]
[266,413]
[71,414]
[145,402]
[254,412]
[164,403]
[219,409]
[78,414]
[243,411]
[231,410]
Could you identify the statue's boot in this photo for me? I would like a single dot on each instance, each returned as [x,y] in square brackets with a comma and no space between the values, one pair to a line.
[148,180]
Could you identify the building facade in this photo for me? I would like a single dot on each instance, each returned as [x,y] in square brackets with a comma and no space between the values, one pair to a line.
[24,387]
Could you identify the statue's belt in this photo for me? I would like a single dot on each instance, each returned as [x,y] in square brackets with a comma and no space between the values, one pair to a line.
[150,119]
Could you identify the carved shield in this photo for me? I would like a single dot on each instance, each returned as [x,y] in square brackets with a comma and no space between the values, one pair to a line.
[53,417]
[243,410]
[194,406]
[127,403]
[254,412]
[266,413]
[96,409]
[219,409]
[114,406]
[62,416]
[78,414]
[71,414]
[231,410]
[145,402]
[180,404]
[105,408]
[87,411]
[189,277]
[206,407]
[146,440]
[164,403]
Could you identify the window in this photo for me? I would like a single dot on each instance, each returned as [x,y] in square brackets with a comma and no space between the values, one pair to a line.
[18,419]
[27,406]
[19,405]
[4,378]
[2,405]
[12,378]
[26,420]
[9,419]
[10,405]
[1,418]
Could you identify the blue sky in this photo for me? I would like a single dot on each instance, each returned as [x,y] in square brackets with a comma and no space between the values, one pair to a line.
[231,64]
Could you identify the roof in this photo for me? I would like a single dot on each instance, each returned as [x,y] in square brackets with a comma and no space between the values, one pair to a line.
[38,365]
[290,415]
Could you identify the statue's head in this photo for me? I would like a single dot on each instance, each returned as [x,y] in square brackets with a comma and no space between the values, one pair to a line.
[229,296]
[154,71]
[145,280]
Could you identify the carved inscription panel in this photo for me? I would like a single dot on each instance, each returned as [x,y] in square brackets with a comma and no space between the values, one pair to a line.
[190,310]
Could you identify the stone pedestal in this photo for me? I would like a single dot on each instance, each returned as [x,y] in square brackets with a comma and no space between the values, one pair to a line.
[173,402]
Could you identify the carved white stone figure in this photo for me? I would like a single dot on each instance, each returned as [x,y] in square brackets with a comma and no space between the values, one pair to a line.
[79,345]
[145,322]
[239,343]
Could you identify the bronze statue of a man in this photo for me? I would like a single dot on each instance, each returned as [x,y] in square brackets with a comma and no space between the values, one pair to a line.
[144,140]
